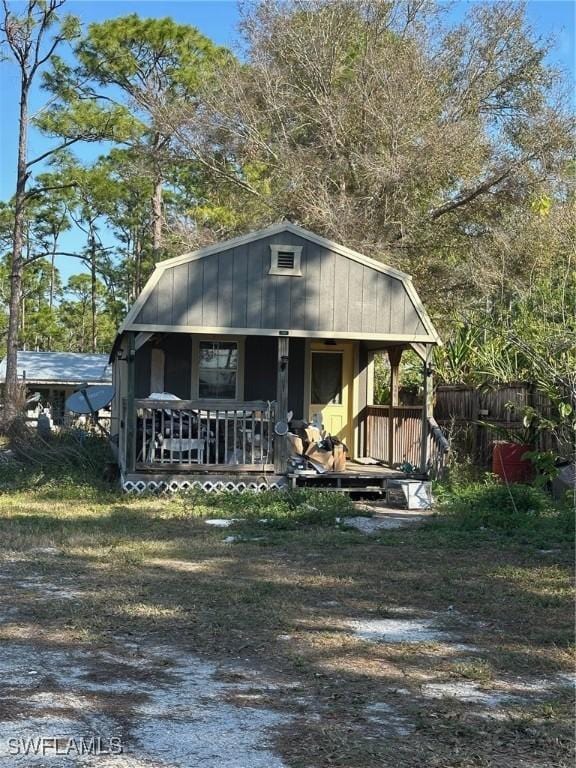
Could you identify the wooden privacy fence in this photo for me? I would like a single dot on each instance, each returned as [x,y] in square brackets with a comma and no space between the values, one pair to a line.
[401,441]
[460,411]
[469,403]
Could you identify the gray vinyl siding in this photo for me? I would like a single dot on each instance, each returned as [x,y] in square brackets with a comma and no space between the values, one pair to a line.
[232,289]
[297,357]
[194,289]
[178,364]
[261,360]
[180,305]
[260,365]
[142,363]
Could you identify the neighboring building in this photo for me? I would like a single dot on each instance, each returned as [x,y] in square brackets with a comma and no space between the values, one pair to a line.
[243,332]
[55,375]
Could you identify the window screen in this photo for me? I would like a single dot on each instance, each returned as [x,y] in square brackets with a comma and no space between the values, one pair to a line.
[326,382]
[218,370]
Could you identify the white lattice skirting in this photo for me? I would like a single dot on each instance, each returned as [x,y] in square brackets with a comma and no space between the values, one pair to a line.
[174,486]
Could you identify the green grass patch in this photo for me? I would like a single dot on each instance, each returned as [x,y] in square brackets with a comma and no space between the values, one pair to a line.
[514,509]
[280,509]
[477,670]
[72,465]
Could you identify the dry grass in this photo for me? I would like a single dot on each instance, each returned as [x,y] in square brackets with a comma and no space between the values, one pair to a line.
[281,599]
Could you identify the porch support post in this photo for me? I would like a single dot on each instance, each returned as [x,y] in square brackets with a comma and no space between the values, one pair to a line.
[426,406]
[394,356]
[130,410]
[280,441]
[363,395]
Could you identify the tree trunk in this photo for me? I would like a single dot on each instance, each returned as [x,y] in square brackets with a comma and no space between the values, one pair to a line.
[11,388]
[157,219]
[93,286]
[82,345]
[23,321]
[52,276]
[51,293]
[136,287]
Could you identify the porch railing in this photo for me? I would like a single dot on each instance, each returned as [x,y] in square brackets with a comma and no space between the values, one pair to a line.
[438,449]
[401,441]
[406,432]
[191,435]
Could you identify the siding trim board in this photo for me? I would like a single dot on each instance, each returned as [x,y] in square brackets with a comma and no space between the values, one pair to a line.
[234,286]
[304,334]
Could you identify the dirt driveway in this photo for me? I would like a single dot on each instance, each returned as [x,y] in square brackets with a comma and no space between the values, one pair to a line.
[133,636]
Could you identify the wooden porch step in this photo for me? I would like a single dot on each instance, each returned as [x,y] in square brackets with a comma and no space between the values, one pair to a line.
[355,479]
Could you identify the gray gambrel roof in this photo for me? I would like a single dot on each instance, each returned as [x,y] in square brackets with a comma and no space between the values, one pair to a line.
[61,367]
[228,288]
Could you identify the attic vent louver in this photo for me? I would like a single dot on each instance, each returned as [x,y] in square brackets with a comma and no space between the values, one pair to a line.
[285,260]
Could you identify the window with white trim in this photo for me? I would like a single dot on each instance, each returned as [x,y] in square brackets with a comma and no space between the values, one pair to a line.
[218,370]
[285,260]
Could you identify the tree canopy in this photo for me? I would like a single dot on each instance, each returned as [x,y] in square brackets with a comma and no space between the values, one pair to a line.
[443,149]
[378,126]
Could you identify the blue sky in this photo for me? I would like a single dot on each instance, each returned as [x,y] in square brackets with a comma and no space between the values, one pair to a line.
[218,20]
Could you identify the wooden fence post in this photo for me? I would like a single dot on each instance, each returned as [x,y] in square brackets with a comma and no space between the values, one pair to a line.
[479,432]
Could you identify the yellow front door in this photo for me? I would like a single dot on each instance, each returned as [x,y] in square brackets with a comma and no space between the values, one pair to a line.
[331,376]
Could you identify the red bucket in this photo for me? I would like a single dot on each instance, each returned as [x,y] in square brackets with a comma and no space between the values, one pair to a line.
[508,464]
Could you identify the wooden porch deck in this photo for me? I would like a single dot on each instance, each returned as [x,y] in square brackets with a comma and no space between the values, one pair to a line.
[357,478]
[225,446]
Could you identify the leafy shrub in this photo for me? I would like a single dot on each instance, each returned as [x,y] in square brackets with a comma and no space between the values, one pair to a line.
[13,475]
[507,508]
[462,471]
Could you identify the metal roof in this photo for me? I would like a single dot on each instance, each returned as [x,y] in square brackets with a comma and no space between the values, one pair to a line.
[71,367]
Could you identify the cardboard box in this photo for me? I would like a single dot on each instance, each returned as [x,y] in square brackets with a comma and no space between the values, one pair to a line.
[319,468]
[321,460]
[295,444]
[339,458]
[313,435]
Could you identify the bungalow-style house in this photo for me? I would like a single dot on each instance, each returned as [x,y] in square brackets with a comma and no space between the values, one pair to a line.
[56,375]
[227,347]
